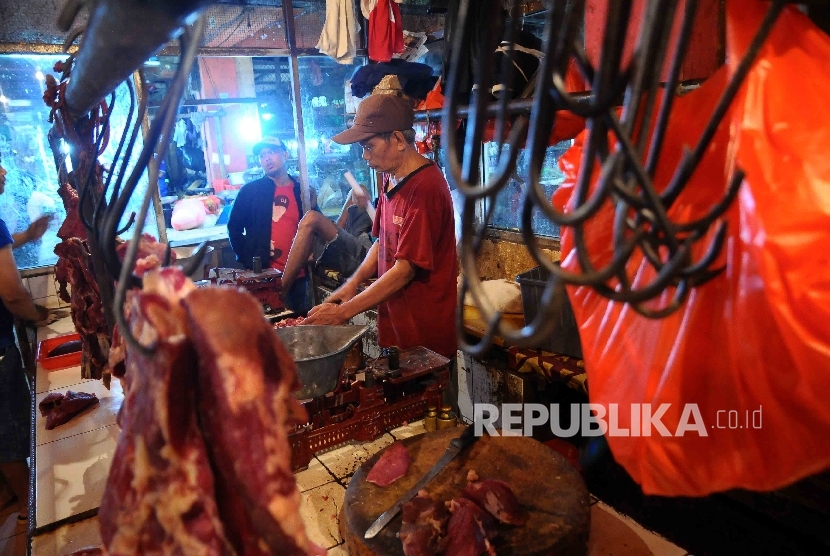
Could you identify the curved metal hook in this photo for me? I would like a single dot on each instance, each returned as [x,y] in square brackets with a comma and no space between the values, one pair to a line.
[196,259]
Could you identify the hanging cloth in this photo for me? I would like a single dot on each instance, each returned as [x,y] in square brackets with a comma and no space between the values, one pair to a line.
[180,133]
[340,32]
[385,31]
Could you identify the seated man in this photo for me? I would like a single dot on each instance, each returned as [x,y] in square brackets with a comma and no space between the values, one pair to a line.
[341,246]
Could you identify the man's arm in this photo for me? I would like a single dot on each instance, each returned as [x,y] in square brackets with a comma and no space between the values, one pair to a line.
[394,280]
[344,212]
[13,293]
[367,269]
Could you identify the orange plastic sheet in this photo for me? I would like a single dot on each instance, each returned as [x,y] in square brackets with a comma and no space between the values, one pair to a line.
[751,348]
[567,124]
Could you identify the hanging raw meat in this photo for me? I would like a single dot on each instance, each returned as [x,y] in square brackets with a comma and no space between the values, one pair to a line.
[217,372]
[159,497]
[246,377]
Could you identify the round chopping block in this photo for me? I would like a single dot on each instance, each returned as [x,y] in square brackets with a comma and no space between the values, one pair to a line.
[546,485]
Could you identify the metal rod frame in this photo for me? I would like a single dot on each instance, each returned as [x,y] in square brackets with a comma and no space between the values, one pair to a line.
[625,157]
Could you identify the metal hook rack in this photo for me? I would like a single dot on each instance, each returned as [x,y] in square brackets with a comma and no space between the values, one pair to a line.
[625,157]
[104,200]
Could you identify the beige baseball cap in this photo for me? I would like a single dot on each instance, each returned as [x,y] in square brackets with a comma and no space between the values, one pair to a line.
[270,142]
[379,113]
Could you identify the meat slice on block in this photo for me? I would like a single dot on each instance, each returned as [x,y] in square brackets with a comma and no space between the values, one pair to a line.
[159,497]
[469,530]
[424,525]
[246,409]
[61,408]
[497,497]
[391,466]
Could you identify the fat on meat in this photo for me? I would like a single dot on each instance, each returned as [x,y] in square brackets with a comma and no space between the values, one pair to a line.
[159,498]
[246,410]
[423,527]
[391,466]
[149,256]
[498,498]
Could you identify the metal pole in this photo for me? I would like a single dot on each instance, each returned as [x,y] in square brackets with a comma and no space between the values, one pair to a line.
[288,12]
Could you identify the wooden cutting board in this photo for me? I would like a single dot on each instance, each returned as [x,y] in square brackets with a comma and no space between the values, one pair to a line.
[547,486]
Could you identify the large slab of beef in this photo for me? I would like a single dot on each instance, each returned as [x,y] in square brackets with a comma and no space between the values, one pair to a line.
[61,408]
[159,497]
[203,465]
[246,377]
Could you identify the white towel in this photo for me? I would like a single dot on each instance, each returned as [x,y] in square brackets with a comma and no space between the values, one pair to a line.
[340,32]
[366,6]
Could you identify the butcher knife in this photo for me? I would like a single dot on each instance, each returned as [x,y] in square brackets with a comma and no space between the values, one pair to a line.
[457,445]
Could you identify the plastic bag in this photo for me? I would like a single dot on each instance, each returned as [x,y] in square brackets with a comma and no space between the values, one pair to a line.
[188,214]
[751,348]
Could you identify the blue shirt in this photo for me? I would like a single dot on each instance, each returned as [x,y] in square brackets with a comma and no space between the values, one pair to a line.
[6,318]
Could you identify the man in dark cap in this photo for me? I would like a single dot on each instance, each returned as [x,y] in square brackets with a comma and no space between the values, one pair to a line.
[415,257]
[265,217]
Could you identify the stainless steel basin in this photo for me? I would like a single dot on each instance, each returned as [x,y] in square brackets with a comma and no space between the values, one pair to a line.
[319,352]
[185,253]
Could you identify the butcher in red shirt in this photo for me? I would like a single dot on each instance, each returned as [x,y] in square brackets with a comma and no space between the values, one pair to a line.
[415,256]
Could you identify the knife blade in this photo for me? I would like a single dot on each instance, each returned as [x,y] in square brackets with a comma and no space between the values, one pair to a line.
[457,445]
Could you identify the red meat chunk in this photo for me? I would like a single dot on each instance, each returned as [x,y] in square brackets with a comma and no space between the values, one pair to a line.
[424,526]
[392,465]
[61,408]
[467,534]
[497,498]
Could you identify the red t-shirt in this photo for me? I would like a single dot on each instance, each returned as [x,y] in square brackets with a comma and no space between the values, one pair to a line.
[385,31]
[414,222]
[285,219]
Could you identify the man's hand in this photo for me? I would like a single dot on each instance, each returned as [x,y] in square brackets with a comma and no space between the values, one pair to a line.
[360,199]
[37,228]
[50,315]
[326,313]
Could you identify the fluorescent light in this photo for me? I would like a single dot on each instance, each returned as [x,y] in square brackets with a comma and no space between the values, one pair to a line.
[39,75]
[267,117]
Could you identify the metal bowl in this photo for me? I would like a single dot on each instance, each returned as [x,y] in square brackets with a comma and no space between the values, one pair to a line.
[319,352]
[185,253]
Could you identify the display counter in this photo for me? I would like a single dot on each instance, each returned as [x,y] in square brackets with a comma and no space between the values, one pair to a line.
[71,462]
[177,238]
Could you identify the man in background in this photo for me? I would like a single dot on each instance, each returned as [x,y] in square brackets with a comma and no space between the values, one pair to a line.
[15,397]
[265,218]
